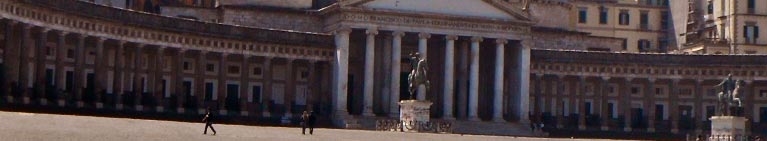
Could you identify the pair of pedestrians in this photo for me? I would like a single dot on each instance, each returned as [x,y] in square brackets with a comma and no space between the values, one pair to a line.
[308,121]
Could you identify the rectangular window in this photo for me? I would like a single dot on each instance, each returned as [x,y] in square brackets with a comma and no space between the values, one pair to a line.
[209,91]
[710,9]
[658,112]
[587,108]
[582,14]
[210,67]
[257,71]
[625,44]
[624,17]
[610,108]
[256,94]
[71,53]
[187,66]
[234,69]
[603,14]
[751,33]
[644,20]
[751,6]
[762,93]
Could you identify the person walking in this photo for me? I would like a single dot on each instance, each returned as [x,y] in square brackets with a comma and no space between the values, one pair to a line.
[311,121]
[208,122]
[305,122]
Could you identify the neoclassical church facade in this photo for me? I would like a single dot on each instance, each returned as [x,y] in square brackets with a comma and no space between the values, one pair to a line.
[492,63]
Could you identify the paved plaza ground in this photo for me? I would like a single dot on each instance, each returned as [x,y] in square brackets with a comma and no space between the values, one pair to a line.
[32,126]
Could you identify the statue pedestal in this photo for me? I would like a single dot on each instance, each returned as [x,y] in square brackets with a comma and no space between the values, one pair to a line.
[414,113]
[727,127]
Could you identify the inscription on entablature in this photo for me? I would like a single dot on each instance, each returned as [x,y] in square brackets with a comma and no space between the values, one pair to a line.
[416,21]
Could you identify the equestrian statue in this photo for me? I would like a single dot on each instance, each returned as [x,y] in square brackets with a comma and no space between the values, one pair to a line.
[729,95]
[417,76]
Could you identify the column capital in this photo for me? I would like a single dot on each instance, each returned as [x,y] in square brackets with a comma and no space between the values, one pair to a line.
[500,41]
[398,33]
[477,39]
[63,33]
[424,35]
[101,40]
[371,31]
[343,30]
[451,37]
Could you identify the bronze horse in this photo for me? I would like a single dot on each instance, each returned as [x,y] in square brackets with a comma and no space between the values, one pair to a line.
[418,74]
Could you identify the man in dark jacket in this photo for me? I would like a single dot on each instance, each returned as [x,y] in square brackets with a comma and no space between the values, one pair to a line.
[308,119]
[312,120]
[208,122]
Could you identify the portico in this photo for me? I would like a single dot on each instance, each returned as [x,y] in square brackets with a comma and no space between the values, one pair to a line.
[374,40]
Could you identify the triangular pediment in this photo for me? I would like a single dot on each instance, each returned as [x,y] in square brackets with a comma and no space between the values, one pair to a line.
[495,9]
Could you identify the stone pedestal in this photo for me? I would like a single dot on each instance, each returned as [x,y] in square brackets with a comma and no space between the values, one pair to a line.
[414,112]
[727,127]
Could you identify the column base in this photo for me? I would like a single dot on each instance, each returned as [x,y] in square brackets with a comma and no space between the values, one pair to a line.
[9,99]
[80,104]
[200,111]
[651,130]
[498,119]
[581,127]
[180,110]
[25,100]
[266,114]
[244,113]
[159,109]
[627,129]
[43,102]
[119,106]
[222,112]
[474,118]
[99,105]
[61,103]
[605,128]
[139,108]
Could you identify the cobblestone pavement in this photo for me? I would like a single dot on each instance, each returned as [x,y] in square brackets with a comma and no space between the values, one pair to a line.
[29,126]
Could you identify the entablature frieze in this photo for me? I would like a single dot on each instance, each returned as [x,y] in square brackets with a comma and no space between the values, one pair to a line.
[51,19]
[649,71]
[435,24]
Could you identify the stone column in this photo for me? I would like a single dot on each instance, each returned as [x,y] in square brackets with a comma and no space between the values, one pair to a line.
[673,105]
[26,43]
[369,66]
[582,103]
[447,112]
[423,40]
[474,79]
[290,88]
[560,103]
[200,81]
[396,71]
[178,81]
[137,87]
[313,87]
[9,59]
[119,74]
[649,96]
[267,87]
[603,93]
[341,70]
[40,58]
[523,69]
[156,84]
[222,95]
[100,72]
[540,99]
[699,116]
[498,80]
[626,106]
[463,76]
[245,82]
[60,72]
[79,70]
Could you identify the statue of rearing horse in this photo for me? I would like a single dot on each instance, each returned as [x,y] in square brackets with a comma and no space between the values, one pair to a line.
[417,76]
